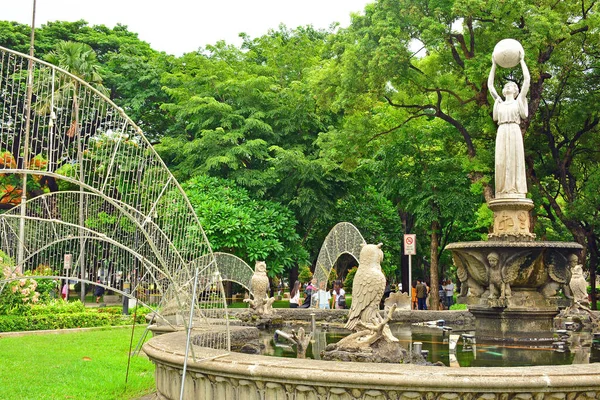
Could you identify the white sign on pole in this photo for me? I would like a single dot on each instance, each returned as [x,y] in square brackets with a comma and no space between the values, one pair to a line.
[410,244]
[68,259]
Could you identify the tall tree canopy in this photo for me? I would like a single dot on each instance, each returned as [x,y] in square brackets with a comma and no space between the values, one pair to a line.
[405,64]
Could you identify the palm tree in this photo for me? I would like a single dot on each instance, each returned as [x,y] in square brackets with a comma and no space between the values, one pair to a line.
[80,60]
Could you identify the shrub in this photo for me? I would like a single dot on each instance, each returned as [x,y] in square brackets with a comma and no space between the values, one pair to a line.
[332,277]
[57,306]
[350,279]
[65,320]
[304,274]
[458,307]
[18,294]
[47,288]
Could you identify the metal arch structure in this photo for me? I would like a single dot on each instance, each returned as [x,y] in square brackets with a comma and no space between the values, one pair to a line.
[234,269]
[343,238]
[79,181]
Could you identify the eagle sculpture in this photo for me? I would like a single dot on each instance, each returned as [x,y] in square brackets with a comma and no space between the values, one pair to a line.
[368,287]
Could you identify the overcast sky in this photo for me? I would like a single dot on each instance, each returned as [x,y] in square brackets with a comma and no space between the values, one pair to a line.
[181,26]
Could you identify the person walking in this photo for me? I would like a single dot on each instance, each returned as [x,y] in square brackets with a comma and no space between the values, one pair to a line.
[413,296]
[442,296]
[98,291]
[308,294]
[339,295]
[323,296]
[449,288]
[421,295]
[295,295]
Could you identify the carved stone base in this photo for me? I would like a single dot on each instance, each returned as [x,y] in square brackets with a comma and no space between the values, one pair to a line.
[523,299]
[381,351]
[513,325]
[511,219]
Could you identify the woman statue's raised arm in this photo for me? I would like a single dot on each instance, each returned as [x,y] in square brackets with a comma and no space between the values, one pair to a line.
[524,88]
[491,79]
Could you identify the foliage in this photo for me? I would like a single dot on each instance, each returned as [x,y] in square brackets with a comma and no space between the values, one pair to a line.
[18,294]
[457,306]
[59,314]
[47,288]
[77,58]
[332,277]
[349,281]
[388,119]
[421,106]
[250,115]
[304,274]
[57,306]
[5,260]
[254,230]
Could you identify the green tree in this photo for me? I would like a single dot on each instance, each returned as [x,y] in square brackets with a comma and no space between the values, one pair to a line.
[250,115]
[254,230]
[428,61]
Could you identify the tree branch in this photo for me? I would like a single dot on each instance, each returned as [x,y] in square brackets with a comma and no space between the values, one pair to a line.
[455,54]
[396,127]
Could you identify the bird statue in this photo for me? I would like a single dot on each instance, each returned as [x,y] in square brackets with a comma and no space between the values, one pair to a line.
[578,284]
[260,286]
[367,290]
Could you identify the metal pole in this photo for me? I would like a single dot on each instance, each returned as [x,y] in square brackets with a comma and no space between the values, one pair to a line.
[410,280]
[189,332]
[126,287]
[21,250]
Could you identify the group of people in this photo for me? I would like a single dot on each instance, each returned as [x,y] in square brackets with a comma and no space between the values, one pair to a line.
[318,296]
[420,294]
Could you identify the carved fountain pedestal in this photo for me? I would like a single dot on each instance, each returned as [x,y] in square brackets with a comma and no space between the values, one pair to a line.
[511,282]
[532,274]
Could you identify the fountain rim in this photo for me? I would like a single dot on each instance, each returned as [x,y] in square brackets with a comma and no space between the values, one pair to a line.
[498,244]
[170,349]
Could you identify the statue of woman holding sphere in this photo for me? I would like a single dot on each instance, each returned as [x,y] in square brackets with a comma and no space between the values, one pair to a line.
[510,177]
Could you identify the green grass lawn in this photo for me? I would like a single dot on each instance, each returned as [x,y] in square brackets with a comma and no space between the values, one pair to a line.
[78,365]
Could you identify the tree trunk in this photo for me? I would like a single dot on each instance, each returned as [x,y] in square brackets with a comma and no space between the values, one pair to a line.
[593,250]
[293,276]
[434,298]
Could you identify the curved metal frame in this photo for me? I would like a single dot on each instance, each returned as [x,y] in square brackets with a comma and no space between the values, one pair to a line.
[55,126]
[344,238]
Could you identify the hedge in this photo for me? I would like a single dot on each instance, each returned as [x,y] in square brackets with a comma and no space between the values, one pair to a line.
[33,322]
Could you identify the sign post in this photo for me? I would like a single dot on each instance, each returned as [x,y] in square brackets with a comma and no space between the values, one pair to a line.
[68,259]
[410,249]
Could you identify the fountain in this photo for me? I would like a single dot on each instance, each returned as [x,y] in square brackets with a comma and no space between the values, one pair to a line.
[511,282]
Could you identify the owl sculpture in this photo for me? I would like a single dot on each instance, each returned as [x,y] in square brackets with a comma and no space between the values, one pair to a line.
[259,283]
[578,284]
[368,287]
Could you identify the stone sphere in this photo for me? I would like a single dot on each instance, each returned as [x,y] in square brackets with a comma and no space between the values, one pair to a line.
[507,53]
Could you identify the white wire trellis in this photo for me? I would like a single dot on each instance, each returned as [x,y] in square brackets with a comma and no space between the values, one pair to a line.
[344,238]
[96,191]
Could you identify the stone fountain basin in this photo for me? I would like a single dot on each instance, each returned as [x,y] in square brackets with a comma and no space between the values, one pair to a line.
[218,374]
[538,263]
